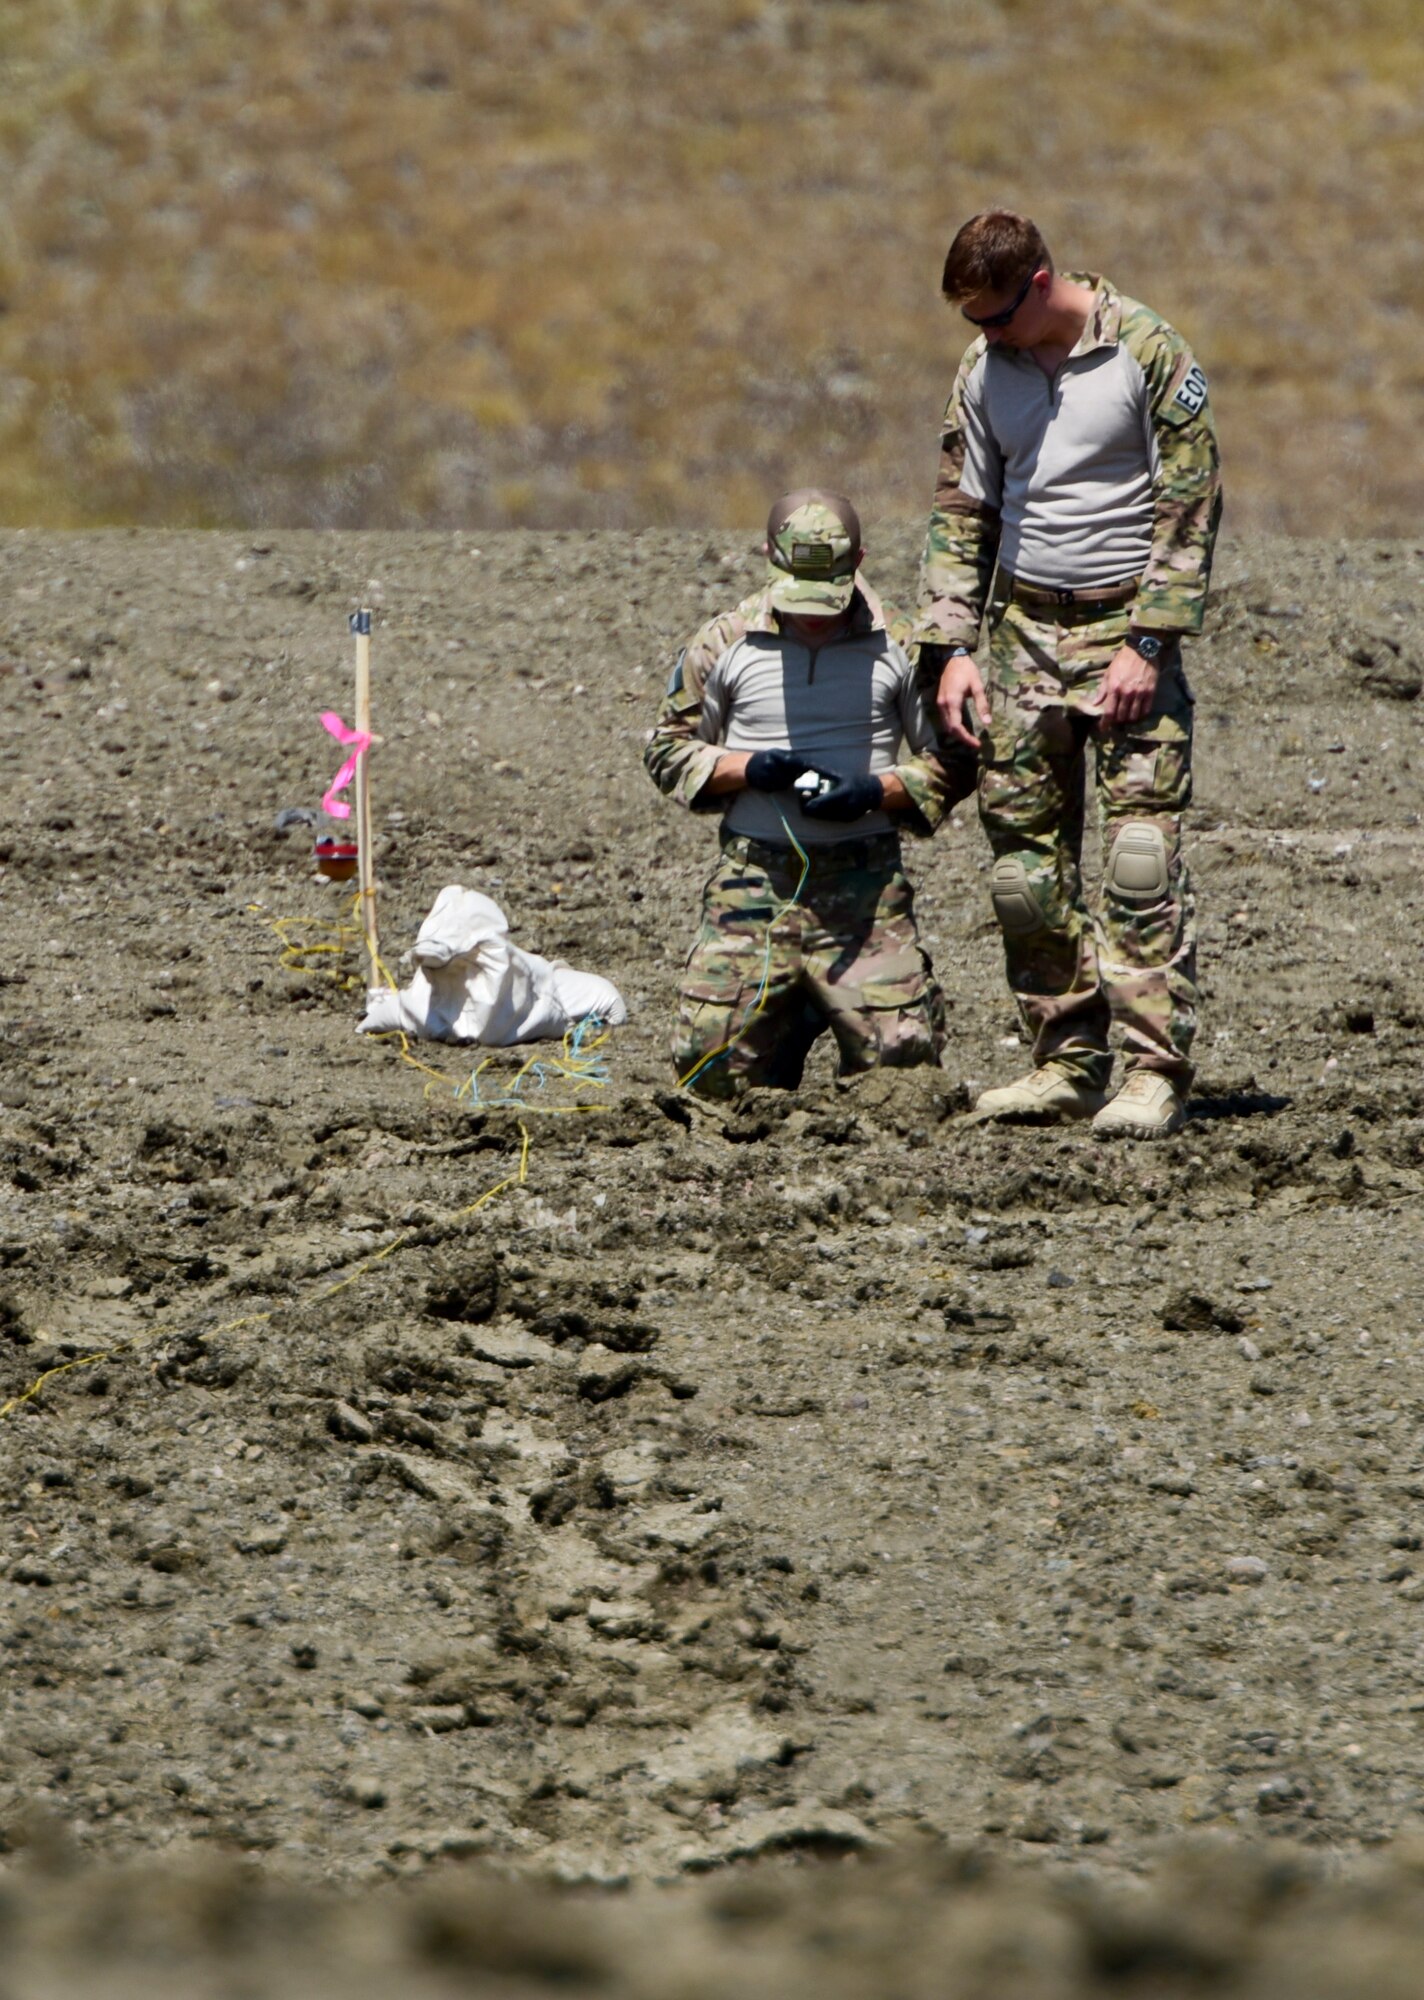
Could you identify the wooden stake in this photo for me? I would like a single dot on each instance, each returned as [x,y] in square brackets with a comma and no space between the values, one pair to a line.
[366,866]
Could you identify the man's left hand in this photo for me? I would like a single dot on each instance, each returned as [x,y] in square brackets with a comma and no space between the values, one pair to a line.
[851,799]
[1129,688]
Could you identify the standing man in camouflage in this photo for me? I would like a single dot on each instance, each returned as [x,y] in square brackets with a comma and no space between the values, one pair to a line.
[1079,458]
[807,920]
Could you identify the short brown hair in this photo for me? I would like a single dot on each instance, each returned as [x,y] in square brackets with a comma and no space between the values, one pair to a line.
[993,252]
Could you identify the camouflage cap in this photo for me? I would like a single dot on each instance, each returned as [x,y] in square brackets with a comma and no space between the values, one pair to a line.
[812,546]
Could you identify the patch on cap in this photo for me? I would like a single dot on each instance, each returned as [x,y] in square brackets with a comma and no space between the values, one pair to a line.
[818,557]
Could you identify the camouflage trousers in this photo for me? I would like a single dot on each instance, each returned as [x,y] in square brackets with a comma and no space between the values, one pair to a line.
[1131,959]
[767,976]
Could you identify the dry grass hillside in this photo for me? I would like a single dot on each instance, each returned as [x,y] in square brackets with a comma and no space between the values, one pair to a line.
[386,262]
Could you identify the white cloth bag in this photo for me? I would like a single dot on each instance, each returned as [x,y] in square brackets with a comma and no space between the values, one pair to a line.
[472,985]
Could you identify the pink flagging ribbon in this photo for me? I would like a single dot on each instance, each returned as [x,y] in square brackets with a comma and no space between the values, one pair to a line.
[358,741]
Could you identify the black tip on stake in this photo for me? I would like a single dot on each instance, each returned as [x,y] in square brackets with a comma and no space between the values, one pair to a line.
[360,623]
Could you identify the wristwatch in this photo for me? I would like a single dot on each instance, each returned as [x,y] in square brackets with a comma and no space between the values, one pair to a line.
[1146,645]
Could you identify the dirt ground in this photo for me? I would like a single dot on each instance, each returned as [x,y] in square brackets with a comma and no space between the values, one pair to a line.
[918,1530]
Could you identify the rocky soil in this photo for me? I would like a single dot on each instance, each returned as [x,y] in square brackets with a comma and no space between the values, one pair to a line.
[829,1477]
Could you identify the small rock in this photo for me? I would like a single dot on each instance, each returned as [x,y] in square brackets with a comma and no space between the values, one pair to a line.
[1187,1311]
[1172,1482]
[821,1829]
[172,1558]
[675,1524]
[430,1480]
[1386,668]
[439,1720]
[1249,1348]
[1247,1569]
[345,1421]
[261,1542]
[604,1373]
[367,1792]
[1283,1795]
[1059,1280]
[369,1705]
[407,1427]
[508,1347]
[620,1618]
[109,1288]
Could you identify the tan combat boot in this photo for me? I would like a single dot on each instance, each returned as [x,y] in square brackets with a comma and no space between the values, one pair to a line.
[1047,1096]
[1147,1107]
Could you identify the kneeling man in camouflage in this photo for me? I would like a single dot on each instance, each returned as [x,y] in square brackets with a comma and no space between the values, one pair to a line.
[787,717]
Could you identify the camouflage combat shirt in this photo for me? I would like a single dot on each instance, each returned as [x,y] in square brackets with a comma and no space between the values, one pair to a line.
[743,683]
[1107,472]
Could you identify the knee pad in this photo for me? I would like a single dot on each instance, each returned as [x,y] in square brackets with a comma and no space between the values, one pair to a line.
[1136,869]
[1011,892]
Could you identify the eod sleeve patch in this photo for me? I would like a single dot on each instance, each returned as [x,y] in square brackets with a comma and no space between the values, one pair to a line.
[1191,392]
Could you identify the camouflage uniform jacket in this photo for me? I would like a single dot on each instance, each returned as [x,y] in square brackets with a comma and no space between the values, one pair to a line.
[828,717]
[1107,472]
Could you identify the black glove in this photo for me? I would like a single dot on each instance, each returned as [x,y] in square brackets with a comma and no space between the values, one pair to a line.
[850,798]
[774,770]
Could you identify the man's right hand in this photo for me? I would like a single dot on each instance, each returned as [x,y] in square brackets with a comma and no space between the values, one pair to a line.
[959,685]
[774,770]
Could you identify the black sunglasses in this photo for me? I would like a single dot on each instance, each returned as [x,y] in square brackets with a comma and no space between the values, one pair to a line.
[1003,318]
